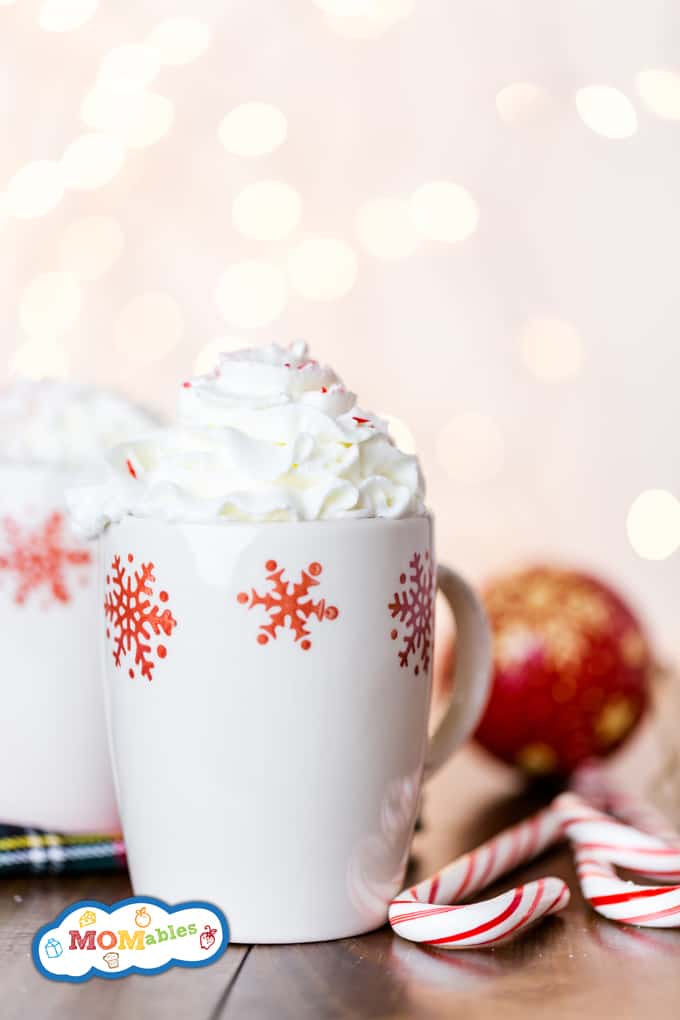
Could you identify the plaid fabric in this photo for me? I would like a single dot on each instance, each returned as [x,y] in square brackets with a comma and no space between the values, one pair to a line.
[31,851]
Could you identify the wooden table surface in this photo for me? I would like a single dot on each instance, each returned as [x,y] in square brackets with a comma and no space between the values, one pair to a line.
[573,966]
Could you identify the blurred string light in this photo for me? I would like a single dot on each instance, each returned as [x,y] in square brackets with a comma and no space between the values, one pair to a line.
[129,68]
[253,129]
[470,448]
[551,348]
[65,15]
[653,524]
[251,293]
[149,122]
[104,110]
[606,111]
[136,121]
[522,102]
[207,358]
[49,305]
[400,432]
[267,210]
[180,40]
[90,246]
[659,90]
[91,161]
[35,189]
[343,8]
[385,228]
[364,19]
[120,103]
[444,211]
[37,359]
[322,268]
[148,327]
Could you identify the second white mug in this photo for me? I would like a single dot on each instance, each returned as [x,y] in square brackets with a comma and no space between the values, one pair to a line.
[54,755]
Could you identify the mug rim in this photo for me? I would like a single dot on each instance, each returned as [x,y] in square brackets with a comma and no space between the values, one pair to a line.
[222,524]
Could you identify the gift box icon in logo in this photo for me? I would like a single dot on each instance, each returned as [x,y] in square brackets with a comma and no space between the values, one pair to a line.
[207,938]
[53,948]
[87,918]
[112,960]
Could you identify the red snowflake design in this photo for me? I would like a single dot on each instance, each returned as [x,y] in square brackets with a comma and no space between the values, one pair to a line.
[134,617]
[413,607]
[287,604]
[40,558]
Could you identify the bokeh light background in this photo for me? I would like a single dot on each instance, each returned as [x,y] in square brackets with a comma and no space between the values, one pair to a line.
[471,210]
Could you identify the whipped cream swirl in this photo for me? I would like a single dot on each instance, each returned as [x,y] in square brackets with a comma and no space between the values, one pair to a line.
[269,435]
[64,424]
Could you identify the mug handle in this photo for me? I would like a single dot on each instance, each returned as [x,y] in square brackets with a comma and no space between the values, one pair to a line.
[472,677]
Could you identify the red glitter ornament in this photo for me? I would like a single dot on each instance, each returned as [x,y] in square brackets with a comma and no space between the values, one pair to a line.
[571,670]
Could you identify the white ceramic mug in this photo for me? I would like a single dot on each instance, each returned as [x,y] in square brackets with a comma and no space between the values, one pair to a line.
[54,759]
[268,690]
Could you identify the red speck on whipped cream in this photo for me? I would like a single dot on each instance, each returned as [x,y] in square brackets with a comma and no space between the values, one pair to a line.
[324,389]
[186,385]
[130,468]
[361,421]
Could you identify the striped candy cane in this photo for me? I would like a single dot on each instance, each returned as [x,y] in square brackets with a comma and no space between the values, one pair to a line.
[428,912]
[600,843]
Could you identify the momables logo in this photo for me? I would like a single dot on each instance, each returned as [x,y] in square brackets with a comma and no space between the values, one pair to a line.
[134,936]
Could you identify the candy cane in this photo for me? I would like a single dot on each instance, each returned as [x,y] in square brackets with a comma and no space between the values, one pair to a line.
[426,912]
[600,842]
